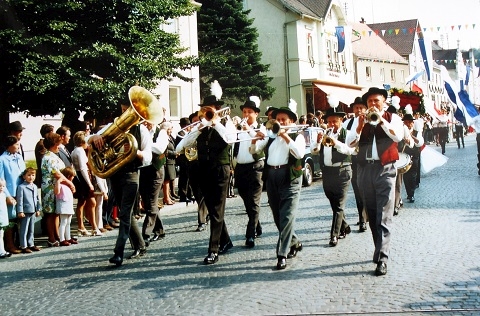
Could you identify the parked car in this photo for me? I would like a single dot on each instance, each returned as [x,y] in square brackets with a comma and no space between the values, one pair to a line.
[311,163]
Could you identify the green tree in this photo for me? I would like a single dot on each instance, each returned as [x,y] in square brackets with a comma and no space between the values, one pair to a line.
[85,54]
[228,51]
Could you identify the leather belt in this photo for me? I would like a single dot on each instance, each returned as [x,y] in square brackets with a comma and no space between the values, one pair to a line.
[372,161]
[278,167]
[339,166]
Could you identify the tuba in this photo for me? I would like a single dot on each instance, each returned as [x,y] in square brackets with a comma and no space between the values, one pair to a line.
[107,161]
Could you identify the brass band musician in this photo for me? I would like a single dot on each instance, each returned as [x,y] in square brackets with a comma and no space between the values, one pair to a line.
[376,136]
[335,162]
[413,140]
[214,169]
[249,168]
[284,155]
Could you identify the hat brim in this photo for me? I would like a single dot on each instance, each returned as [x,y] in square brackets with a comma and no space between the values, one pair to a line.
[216,103]
[373,92]
[290,114]
[250,107]
[339,114]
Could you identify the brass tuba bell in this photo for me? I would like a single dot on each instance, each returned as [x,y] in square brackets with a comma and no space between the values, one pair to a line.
[107,161]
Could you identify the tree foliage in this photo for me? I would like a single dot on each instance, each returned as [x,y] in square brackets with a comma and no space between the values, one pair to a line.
[229,53]
[85,54]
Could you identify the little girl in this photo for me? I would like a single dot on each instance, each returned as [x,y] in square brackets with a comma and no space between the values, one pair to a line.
[3,218]
[28,207]
[64,207]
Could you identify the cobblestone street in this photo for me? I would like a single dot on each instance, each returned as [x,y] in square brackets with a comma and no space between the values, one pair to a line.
[434,265]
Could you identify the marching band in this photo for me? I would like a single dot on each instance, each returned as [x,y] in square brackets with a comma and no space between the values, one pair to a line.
[364,149]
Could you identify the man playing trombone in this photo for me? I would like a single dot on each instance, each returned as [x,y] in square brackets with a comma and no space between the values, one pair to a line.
[249,168]
[284,155]
[214,163]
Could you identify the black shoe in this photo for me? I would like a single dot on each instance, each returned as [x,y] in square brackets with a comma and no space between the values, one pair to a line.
[211,258]
[250,242]
[411,199]
[363,227]
[333,241]
[294,250]
[258,230]
[223,249]
[281,263]
[381,269]
[147,242]
[116,260]
[138,253]
[395,211]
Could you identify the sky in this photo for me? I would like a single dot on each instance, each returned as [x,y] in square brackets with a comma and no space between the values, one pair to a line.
[430,13]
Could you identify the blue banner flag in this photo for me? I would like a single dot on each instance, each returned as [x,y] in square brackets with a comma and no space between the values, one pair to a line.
[469,106]
[339,31]
[421,43]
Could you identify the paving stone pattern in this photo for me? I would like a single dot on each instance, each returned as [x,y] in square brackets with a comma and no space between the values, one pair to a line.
[434,266]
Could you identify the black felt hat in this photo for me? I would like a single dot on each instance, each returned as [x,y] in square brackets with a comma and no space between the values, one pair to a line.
[373,91]
[211,100]
[15,126]
[358,100]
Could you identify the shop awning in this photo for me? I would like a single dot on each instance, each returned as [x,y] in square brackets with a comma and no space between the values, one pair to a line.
[345,95]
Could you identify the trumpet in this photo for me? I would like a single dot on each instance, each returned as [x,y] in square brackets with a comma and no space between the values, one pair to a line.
[327,141]
[373,116]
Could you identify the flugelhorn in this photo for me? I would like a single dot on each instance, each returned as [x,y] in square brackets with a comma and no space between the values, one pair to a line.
[107,161]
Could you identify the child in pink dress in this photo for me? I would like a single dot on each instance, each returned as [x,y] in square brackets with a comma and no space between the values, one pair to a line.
[64,207]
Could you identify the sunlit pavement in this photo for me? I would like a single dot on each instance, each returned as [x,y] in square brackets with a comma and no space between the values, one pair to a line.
[434,264]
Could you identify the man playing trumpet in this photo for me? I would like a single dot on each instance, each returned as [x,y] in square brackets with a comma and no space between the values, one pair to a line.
[335,162]
[377,140]
[249,168]
[214,168]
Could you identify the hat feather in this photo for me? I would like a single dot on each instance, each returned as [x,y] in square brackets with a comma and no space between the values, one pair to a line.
[396,102]
[292,105]
[216,89]
[408,109]
[255,99]
[333,101]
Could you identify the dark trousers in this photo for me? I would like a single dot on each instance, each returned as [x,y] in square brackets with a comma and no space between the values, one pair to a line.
[336,181]
[442,137]
[151,181]
[248,178]
[362,213]
[125,188]
[377,187]
[410,177]
[184,190]
[109,204]
[214,188]
[478,152]
[459,135]
[283,197]
[194,181]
